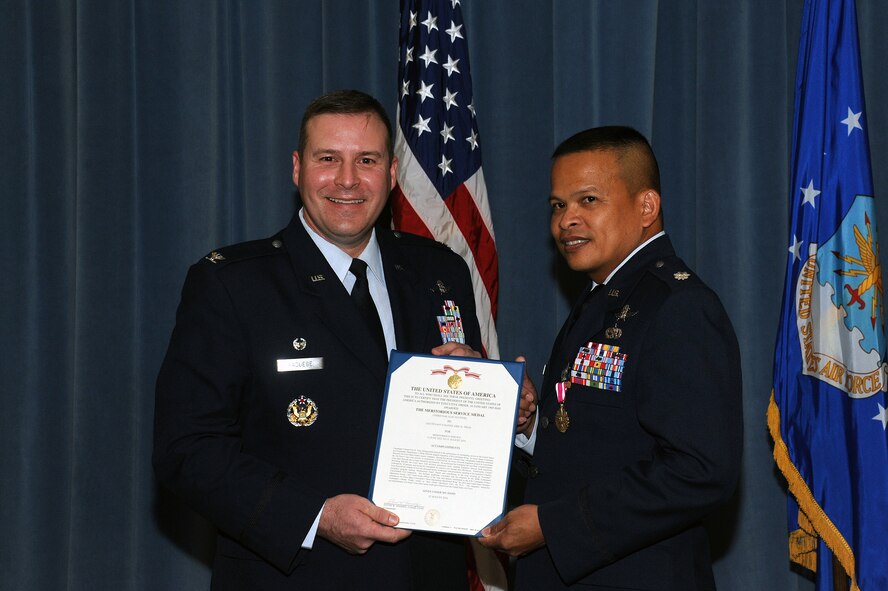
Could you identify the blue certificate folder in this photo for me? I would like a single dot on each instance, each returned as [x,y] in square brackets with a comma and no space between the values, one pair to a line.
[445,442]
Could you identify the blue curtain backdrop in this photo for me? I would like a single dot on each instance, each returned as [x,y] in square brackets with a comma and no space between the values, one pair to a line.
[137,136]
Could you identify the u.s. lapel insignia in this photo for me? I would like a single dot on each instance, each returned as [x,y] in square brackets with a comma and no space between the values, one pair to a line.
[302,412]
[214,257]
[681,275]
[316,278]
[614,293]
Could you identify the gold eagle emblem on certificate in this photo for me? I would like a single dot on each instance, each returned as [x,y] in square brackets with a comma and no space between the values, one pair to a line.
[455,380]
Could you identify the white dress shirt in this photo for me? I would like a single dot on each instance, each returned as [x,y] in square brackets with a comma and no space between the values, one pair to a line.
[340,263]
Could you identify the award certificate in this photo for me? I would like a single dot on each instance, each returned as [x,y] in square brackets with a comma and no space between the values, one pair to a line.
[445,441]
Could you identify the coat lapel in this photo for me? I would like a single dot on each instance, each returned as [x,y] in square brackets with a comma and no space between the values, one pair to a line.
[411,302]
[591,320]
[623,283]
[328,300]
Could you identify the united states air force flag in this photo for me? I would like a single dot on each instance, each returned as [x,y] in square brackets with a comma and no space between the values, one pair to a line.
[828,412]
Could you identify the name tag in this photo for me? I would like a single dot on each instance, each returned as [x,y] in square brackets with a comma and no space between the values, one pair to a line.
[302,364]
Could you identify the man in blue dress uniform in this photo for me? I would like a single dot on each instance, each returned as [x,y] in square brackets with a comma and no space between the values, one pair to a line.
[637,434]
[268,401]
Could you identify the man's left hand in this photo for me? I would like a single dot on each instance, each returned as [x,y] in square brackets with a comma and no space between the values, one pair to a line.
[528,405]
[517,533]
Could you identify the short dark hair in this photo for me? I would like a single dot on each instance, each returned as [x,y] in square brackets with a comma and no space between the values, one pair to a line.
[634,153]
[345,102]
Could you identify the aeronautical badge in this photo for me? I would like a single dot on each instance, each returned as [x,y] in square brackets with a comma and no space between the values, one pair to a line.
[599,366]
[838,299]
[615,332]
[302,412]
[681,275]
[214,257]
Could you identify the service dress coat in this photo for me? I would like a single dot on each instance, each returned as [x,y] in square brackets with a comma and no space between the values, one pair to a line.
[654,437]
[223,439]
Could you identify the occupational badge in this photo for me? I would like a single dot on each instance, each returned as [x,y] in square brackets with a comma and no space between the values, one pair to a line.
[302,412]
[613,332]
[300,344]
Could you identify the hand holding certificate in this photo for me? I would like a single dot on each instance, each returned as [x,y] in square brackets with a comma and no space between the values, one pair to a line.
[445,441]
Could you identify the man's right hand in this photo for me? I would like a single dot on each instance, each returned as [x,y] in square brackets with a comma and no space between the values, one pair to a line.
[354,524]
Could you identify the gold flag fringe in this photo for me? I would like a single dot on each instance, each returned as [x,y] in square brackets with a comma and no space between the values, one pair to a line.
[803,543]
[813,521]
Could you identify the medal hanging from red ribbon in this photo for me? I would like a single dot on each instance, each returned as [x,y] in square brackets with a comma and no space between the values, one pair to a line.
[562,421]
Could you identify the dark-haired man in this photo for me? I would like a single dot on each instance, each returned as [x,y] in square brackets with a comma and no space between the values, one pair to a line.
[637,434]
[268,400]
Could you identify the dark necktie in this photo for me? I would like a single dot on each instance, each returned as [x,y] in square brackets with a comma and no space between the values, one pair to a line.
[361,295]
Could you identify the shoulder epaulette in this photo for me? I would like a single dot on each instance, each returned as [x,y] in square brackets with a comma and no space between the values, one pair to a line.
[246,250]
[416,240]
[674,272]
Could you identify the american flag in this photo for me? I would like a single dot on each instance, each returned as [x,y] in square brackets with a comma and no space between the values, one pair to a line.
[441,192]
